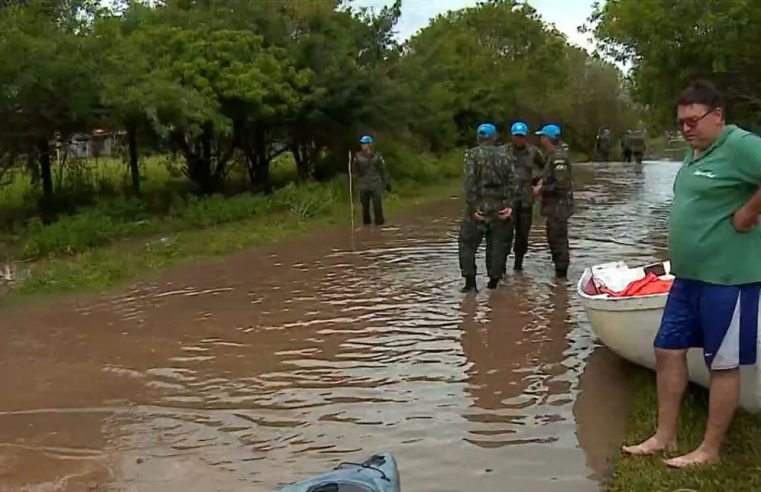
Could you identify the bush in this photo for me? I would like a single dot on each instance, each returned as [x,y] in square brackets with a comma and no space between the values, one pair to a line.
[72,234]
[216,209]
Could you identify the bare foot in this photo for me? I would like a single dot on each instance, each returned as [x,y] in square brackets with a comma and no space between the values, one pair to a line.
[699,457]
[651,446]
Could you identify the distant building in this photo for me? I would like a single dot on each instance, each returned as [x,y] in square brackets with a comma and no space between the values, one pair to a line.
[99,143]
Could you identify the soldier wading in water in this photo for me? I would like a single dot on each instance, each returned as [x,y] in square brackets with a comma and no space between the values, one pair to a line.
[491,188]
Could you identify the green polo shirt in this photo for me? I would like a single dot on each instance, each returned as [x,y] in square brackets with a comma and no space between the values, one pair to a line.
[703,243]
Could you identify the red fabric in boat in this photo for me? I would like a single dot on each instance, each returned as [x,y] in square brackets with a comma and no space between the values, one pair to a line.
[646,286]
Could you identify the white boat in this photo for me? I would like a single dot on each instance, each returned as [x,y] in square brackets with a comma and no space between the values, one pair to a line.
[628,325]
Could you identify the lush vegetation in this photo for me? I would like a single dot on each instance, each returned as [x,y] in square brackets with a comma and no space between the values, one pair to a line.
[667,43]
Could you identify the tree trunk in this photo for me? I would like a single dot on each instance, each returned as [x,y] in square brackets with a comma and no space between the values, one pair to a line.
[134,168]
[261,161]
[46,175]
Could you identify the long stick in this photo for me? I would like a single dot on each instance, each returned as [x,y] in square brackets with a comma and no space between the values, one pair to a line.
[351,193]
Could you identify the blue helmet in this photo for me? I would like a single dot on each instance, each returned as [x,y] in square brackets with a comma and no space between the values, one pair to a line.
[367,139]
[487,130]
[519,128]
[551,131]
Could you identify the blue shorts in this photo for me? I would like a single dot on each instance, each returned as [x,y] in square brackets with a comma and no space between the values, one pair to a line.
[723,319]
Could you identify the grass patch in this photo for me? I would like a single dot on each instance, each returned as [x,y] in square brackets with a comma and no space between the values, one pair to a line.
[741,467]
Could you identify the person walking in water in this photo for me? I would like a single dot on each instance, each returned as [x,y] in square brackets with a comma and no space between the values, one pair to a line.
[556,192]
[603,144]
[626,146]
[372,178]
[638,146]
[714,245]
[491,187]
[529,163]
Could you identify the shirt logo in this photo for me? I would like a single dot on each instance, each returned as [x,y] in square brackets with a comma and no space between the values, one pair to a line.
[705,174]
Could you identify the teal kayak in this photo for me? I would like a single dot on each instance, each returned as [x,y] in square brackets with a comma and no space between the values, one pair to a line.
[376,474]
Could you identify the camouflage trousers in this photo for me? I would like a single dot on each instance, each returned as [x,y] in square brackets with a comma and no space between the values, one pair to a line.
[522,219]
[498,235]
[557,239]
[376,197]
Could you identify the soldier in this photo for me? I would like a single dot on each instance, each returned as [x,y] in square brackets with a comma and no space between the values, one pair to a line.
[556,191]
[638,146]
[603,144]
[529,163]
[491,187]
[371,176]
[626,146]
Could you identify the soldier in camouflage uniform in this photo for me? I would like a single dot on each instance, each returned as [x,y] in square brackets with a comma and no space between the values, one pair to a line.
[556,191]
[626,146]
[529,163]
[603,144]
[637,143]
[371,176]
[491,187]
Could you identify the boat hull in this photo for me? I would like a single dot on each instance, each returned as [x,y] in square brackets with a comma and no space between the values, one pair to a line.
[628,326]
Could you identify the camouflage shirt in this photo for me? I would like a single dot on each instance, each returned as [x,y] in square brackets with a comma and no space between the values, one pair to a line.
[370,171]
[491,182]
[557,185]
[529,165]
[637,142]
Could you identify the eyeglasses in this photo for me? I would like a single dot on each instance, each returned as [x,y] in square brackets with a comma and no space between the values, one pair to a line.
[693,122]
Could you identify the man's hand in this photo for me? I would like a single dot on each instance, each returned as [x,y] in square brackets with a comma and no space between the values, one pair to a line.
[537,190]
[505,213]
[478,215]
[744,220]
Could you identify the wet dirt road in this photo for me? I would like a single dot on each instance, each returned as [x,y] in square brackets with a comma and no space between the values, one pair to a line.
[271,366]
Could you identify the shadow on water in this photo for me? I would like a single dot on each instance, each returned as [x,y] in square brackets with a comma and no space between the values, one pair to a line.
[269,366]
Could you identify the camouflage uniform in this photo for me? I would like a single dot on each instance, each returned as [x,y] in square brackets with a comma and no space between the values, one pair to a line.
[529,163]
[491,185]
[558,206]
[603,145]
[638,146]
[626,147]
[372,178]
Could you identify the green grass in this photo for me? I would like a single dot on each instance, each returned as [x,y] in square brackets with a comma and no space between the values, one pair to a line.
[120,238]
[741,466]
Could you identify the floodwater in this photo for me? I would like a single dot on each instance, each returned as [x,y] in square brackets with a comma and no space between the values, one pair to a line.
[270,366]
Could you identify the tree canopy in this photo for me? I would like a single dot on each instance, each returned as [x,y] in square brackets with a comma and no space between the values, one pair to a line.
[234,83]
[669,42]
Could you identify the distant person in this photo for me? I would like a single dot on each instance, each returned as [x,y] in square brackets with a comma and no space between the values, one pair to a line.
[491,187]
[556,192]
[603,144]
[714,246]
[529,163]
[638,146]
[626,146]
[372,178]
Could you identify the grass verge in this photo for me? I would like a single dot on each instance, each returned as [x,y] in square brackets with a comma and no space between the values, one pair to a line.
[741,466]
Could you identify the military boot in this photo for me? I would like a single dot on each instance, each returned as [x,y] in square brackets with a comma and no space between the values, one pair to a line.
[470,284]
[561,271]
[493,283]
[518,266]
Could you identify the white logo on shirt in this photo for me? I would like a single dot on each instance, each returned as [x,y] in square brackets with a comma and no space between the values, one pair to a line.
[705,174]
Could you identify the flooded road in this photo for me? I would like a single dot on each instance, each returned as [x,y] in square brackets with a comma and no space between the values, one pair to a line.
[271,366]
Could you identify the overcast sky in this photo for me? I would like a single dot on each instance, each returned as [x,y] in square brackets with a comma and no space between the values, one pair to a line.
[567,15]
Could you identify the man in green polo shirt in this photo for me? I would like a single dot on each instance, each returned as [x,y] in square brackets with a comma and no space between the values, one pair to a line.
[715,251]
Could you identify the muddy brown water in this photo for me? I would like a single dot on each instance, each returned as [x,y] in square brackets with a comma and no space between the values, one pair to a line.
[270,366]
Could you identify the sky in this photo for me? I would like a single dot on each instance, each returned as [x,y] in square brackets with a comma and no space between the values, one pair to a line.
[567,15]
